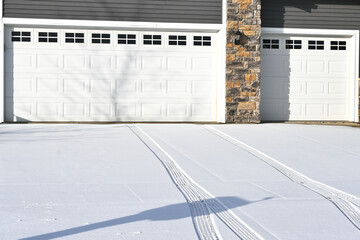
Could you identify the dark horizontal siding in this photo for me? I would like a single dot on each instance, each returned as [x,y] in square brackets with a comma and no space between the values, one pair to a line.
[322,14]
[173,11]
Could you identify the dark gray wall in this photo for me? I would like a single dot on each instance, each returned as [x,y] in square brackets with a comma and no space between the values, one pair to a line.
[174,11]
[322,14]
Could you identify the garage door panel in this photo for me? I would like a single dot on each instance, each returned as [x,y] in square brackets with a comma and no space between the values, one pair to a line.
[177,63]
[296,88]
[337,109]
[21,86]
[202,88]
[177,110]
[151,63]
[127,86]
[110,82]
[337,88]
[74,109]
[126,110]
[280,85]
[273,109]
[72,86]
[315,88]
[273,65]
[295,66]
[47,85]
[102,63]
[339,66]
[23,62]
[128,62]
[315,109]
[74,62]
[305,84]
[177,87]
[48,61]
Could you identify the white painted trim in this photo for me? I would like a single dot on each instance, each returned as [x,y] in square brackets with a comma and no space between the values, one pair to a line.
[354,85]
[354,35]
[2,62]
[2,74]
[113,24]
[303,31]
[221,86]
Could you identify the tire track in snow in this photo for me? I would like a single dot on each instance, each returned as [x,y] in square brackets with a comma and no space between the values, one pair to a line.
[199,200]
[345,202]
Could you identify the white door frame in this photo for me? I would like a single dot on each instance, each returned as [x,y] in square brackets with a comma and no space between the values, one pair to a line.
[354,36]
[219,28]
[2,62]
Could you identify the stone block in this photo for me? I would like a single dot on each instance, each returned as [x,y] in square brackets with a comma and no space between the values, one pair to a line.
[242,1]
[250,77]
[247,106]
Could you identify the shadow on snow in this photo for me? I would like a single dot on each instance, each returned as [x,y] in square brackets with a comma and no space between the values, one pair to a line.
[169,212]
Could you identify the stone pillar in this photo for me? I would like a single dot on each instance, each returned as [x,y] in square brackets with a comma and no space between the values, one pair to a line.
[243,62]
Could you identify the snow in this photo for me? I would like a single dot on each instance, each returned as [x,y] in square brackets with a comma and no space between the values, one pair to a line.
[73,181]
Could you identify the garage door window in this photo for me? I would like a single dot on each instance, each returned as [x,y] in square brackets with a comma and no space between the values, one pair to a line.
[271,43]
[152,39]
[176,40]
[202,41]
[17,36]
[51,37]
[293,44]
[101,38]
[74,38]
[338,45]
[316,45]
[126,39]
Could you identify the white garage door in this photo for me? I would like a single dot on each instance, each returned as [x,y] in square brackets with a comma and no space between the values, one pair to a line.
[305,78]
[99,75]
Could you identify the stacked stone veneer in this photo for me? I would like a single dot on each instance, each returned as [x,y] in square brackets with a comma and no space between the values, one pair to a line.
[243,62]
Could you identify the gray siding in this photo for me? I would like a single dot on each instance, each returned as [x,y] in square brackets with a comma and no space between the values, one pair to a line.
[173,11]
[322,14]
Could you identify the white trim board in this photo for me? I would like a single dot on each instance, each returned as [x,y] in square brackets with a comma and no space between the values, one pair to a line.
[2,62]
[2,73]
[221,58]
[354,36]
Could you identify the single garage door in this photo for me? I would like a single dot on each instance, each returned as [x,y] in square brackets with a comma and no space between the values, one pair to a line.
[109,75]
[305,78]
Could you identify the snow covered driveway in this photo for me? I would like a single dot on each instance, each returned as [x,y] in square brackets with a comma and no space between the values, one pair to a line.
[179,181]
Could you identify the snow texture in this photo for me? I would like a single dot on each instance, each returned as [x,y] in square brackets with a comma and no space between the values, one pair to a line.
[102,182]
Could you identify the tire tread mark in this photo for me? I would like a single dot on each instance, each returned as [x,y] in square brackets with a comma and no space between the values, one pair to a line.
[345,202]
[199,200]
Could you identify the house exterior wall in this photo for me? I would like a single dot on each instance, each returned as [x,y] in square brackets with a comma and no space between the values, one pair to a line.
[170,11]
[312,14]
[243,62]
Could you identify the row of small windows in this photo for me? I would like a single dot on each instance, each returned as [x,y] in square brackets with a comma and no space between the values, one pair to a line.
[297,44]
[105,38]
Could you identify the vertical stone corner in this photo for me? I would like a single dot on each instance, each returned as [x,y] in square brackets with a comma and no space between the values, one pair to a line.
[243,62]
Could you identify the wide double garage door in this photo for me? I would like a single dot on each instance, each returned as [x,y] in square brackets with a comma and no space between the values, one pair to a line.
[305,77]
[108,75]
